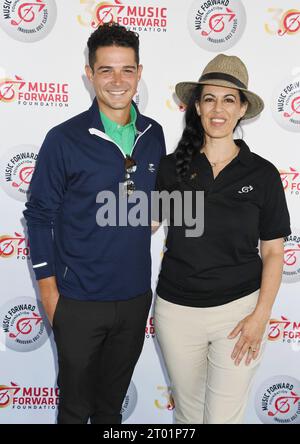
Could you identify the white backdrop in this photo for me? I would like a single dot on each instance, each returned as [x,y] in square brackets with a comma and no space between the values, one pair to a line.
[42,83]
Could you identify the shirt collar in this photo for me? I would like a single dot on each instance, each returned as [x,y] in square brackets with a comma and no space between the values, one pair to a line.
[244,156]
[112,126]
[141,123]
[201,164]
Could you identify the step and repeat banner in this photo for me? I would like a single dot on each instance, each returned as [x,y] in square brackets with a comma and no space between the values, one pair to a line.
[42,83]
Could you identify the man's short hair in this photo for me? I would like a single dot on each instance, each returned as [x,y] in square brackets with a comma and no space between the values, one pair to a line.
[112,34]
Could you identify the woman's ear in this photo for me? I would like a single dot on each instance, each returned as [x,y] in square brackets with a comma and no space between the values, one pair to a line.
[197,108]
[243,109]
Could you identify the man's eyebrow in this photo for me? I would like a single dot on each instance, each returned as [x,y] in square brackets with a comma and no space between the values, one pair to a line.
[130,66]
[103,67]
[111,67]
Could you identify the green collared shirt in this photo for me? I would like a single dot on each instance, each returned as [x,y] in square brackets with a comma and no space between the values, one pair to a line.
[123,136]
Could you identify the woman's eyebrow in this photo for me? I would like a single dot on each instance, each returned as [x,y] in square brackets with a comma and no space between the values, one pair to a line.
[226,95]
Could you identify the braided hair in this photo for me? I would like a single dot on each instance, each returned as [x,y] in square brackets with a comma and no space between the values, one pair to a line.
[192,138]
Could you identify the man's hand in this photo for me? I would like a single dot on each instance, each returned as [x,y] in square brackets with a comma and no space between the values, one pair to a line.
[49,296]
[154,226]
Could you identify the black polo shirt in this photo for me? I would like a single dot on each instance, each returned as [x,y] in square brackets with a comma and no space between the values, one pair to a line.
[245,203]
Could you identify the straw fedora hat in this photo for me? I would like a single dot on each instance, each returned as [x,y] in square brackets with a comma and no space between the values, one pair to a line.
[228,71]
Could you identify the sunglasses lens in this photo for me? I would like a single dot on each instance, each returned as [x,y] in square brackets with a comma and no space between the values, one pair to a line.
[130,167]
[129,186]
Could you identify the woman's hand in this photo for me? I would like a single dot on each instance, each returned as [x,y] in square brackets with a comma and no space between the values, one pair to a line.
[251,329]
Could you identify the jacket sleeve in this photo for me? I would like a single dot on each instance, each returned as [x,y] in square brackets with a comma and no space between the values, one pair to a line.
[46,192]
[163,144]
[156,205]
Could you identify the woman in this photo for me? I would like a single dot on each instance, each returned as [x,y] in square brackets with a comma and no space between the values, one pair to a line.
[215,293]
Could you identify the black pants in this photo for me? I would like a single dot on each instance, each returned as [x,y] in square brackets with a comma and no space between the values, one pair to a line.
[98,345]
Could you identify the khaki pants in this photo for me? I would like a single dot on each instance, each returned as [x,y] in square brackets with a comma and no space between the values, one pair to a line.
[207,386]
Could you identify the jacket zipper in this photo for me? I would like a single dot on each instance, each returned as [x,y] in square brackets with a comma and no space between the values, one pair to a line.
[139,136]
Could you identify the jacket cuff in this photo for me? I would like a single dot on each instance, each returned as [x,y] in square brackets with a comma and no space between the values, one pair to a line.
[43,270]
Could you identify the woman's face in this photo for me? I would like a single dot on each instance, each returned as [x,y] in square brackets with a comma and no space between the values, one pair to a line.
[219,109]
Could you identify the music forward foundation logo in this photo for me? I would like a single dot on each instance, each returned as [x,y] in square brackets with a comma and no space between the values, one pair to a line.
[136,17]
[216,25]
[22,324]
[28,398]
[283,23]
[291,180]
[33,93]
[14,245]
[16,169]
[291,268]
[27,21]
[286,102]
[278,401]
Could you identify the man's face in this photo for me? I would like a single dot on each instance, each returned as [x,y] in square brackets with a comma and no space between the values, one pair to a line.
[115,78]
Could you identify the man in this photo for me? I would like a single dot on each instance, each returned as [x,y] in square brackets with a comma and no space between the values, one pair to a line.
[95,280]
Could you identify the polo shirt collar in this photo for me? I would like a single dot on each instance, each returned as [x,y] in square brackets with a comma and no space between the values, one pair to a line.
[245,157]
[201,165]
[114,126]
[141,122]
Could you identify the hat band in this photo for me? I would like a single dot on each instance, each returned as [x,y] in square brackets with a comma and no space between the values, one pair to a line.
[222,76]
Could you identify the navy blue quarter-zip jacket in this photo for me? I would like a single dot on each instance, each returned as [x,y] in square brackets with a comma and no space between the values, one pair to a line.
[77,161]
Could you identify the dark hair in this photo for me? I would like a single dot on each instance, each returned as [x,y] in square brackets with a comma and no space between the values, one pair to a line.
[193,136]
[112,34]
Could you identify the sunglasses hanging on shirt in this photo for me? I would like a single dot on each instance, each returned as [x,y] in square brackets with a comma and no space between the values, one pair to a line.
[130,168]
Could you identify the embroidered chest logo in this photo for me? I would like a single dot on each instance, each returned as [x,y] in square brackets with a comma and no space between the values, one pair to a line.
[246,189]
[151,167]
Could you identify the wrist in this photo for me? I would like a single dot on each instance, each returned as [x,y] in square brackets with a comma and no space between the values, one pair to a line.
[263,313]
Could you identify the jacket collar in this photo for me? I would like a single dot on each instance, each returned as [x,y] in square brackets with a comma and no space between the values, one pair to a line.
[95,121]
